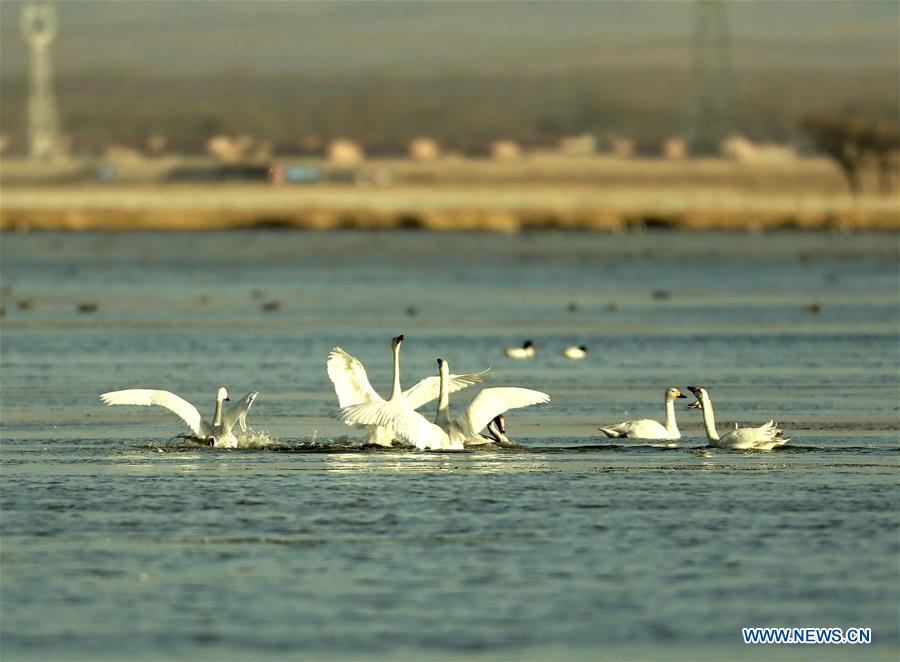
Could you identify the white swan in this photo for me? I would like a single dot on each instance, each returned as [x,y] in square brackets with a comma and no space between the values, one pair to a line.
[444,434]
[647,428]
[765,437]
[351,384]
[574,352]
[219,432]
[526,351]
[497,431]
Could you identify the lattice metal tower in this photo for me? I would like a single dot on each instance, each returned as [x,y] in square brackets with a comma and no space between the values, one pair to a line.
[39,30]
[711,82]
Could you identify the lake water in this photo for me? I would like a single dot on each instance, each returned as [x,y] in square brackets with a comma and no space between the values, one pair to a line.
[123,540]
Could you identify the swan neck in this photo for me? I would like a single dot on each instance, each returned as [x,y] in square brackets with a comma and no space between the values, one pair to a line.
[217,416]
[709,420]
[395,389]
[671,424]
[442,419]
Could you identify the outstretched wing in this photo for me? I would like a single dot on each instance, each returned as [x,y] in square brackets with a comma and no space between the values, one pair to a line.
[351,384]
[429,388]
[398,418]
[237,413]
[146,396]
[494,401]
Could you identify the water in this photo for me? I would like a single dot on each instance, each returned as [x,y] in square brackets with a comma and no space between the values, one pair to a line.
[122,540]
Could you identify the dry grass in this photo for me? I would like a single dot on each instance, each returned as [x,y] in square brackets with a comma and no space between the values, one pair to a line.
[537,192]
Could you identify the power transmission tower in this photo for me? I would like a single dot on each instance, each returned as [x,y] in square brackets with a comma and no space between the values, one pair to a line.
[39,30]
[711,85]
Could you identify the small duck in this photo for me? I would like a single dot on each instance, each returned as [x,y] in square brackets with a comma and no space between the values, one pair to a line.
[526,351]
[574,352]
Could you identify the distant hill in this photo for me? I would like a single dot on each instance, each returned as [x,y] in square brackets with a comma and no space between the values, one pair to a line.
[449,37]
[463,72]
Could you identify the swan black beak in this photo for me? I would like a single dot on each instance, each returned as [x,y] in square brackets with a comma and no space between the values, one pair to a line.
[228,399]
[695,405]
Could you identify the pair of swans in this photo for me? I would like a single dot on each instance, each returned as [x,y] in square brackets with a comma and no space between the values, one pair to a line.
[351,384]
[396,417]
[764,437]
[219,432]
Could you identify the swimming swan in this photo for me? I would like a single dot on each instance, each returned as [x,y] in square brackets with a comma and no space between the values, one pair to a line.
[526,351]
[765,437]
[351,384]
[647,428]
[220,432]
[444,434]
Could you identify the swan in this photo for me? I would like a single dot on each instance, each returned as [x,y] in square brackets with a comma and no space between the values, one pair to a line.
[219,432]
[647,428]
[351,384]
[574,352]
[497,429]
[526,351]
[444,434]
[765,437]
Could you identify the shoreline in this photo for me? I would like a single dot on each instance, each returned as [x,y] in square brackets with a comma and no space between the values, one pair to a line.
[541,192]
[506,209]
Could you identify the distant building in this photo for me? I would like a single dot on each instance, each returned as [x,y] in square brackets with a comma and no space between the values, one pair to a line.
[227,148]
[122,154]
[424,149]
[621,148]
[673,148]
[505,150]
[582,145]
[156,144]
[345,152]
[231,149]
[738,148]
[313,143]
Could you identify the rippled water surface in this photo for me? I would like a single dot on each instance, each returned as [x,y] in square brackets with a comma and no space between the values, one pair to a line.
[123,540]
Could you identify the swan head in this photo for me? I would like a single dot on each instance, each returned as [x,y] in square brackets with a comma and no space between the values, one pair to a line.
[396,341]
[222,394]
[673,393]
[527,345]
[701,395]
[443,366]
[497,429]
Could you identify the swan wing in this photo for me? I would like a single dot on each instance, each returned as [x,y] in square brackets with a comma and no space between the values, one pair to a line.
[146,396]
[401,421]
[764,437]
[237,413]
[430,388]
[351,384]
[491,402]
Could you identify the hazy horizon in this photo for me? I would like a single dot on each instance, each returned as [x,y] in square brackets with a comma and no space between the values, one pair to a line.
[422,38]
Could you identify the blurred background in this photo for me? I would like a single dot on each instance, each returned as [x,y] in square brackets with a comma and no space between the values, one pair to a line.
[122,540]
[663,106]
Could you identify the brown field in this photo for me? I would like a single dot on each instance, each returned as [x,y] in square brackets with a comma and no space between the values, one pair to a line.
[539,191]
